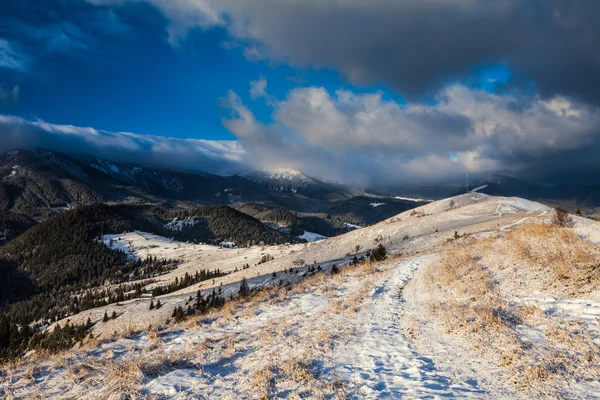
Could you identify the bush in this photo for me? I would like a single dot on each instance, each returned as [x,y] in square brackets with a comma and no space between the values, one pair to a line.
[562,218]
[379,253]
[244,290]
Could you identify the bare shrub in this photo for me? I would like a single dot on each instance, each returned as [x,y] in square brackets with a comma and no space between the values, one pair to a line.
[562,218]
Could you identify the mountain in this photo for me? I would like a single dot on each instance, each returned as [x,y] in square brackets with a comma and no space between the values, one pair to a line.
[294,181]
[49,263]
[35,185]
[570,195]
[466,301]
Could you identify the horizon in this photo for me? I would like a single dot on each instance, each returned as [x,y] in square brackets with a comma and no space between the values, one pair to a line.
[385,189]
[225,87]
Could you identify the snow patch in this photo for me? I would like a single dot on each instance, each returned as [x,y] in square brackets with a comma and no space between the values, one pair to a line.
[524,205]
[311,236]
[13,172]
[230,245]
[585,311]
[175,382]
[352,226]
[177,225]
[415,199]
[116,242]
[374,205]
[478,188]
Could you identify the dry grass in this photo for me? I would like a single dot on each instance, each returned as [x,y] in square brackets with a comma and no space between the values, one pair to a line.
[113,374]
[561,250]
[471,303]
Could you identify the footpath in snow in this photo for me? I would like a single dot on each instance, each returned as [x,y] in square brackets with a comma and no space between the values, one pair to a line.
[381,362]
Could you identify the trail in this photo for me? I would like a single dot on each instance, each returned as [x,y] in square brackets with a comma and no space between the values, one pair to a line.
[382,362]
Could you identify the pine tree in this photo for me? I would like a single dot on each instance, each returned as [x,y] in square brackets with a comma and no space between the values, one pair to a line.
[244,290]
[4,333]
[151,304]
[379,253]
[105,319]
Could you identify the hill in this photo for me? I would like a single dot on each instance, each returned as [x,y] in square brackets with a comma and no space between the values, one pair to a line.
[468,303]
[63,255]
[35,185]
[570,195]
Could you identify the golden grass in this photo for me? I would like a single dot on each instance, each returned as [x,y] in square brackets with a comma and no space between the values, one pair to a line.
[471,303]
[541,245]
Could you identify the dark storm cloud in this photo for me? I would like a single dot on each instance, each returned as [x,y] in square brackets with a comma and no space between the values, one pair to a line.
[413,45]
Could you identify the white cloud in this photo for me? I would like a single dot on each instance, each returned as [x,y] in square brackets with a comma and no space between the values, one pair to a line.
[258,88]
[15,93]
[358,138]
[208,155]
[10,58]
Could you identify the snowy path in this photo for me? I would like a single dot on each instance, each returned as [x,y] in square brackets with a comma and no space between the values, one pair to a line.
[382,362]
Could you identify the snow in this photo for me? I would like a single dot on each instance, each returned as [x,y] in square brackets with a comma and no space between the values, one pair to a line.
[311,304]
[311,236]
[536,337]
[178,381]
[479,196]
[284,174]
[118,242]
[383,362]
[586,311]
[177,225]
[353,226]
[230,245]
[13,172]
[478,188]
[524,205]
[415,199]
[113,168]
[587,229]
[368,345]
[374,205]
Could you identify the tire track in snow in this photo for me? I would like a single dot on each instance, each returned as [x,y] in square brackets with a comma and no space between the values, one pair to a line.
[382,362]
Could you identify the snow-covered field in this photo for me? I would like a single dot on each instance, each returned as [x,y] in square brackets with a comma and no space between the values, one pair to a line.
[311,236]
[507,322]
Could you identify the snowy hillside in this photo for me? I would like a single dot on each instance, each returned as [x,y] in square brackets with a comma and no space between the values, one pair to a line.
[479,297]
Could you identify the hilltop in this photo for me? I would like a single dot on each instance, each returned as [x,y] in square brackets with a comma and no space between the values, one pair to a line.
[467,303]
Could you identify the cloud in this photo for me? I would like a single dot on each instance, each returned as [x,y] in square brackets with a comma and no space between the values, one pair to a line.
[363,138]
[12,59]
[15,93]
[258,88]
[414,45]
[33,30]
[5,95]
[194,154]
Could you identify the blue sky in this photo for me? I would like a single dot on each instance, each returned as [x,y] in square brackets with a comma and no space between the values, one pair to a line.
[353,89]
[134,80]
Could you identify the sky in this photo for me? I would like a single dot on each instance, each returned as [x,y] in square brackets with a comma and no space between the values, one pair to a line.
[354,91]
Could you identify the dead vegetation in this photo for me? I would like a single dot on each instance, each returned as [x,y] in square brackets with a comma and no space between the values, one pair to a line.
[562,218]
[271,364]
[473,299]
[557,249]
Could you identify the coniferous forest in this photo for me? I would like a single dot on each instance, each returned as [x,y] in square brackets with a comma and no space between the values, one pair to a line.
[60,266]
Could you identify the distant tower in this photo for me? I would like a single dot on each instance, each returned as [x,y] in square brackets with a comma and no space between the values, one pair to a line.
[467,182]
